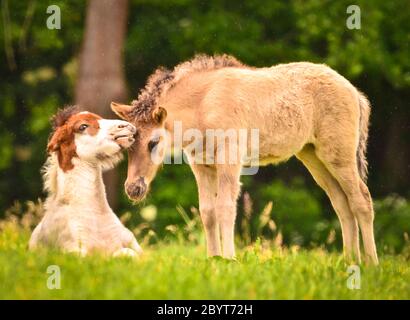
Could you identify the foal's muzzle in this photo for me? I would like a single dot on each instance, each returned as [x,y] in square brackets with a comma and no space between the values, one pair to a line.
[136,190]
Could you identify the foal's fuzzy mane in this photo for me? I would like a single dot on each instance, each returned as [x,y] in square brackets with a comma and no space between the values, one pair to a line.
[163,79]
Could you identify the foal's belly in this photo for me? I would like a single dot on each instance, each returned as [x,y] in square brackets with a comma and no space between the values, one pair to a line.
[282,134]
[274,149]
[265,160]
[272,160]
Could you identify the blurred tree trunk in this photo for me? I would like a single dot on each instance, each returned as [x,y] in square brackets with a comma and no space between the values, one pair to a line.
[396,162]
[101,76]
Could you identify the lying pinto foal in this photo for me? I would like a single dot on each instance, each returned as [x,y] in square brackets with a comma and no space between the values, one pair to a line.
[77,215]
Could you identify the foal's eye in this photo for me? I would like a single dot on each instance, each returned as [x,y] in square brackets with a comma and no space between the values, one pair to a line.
[83,127]
[152,144]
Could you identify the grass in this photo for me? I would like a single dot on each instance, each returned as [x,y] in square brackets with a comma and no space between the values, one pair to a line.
[171,271]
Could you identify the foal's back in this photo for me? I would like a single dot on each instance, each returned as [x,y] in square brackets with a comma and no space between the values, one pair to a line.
[291,104]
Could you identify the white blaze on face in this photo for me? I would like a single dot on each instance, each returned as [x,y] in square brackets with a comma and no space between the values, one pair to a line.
[112,136]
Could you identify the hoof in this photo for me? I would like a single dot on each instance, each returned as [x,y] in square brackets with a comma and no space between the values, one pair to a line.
[220,258]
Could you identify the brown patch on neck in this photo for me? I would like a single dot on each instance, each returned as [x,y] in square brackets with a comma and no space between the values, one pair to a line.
[66,153]
[63,139]
[62,142]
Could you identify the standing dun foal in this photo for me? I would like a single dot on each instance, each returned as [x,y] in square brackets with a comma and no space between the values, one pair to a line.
[77,215]
[302,109]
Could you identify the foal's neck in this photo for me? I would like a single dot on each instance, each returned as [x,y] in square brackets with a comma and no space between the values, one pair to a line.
[81,186]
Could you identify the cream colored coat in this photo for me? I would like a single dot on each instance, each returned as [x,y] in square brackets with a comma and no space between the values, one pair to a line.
[77,215]
[302,109]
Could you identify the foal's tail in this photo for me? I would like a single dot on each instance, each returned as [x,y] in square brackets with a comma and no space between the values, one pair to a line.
[364,106]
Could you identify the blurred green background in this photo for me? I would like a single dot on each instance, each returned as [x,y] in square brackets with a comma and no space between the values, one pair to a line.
[39,70]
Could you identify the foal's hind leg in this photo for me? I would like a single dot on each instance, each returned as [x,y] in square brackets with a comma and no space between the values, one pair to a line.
[327,182]
[343,166]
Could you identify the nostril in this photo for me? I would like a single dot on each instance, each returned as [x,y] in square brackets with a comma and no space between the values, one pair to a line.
[138,191]
[135,190]
[122,126]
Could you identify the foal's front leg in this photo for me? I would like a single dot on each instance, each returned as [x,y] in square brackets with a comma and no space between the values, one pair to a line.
[207,188]
[228,192]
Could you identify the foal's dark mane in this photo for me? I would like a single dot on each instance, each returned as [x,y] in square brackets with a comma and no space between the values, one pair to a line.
[163,79]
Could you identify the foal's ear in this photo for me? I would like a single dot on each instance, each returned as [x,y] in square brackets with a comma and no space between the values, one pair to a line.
[159,115]
[122,110]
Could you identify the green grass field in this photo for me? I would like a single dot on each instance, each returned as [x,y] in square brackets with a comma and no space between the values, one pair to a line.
[182,272]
